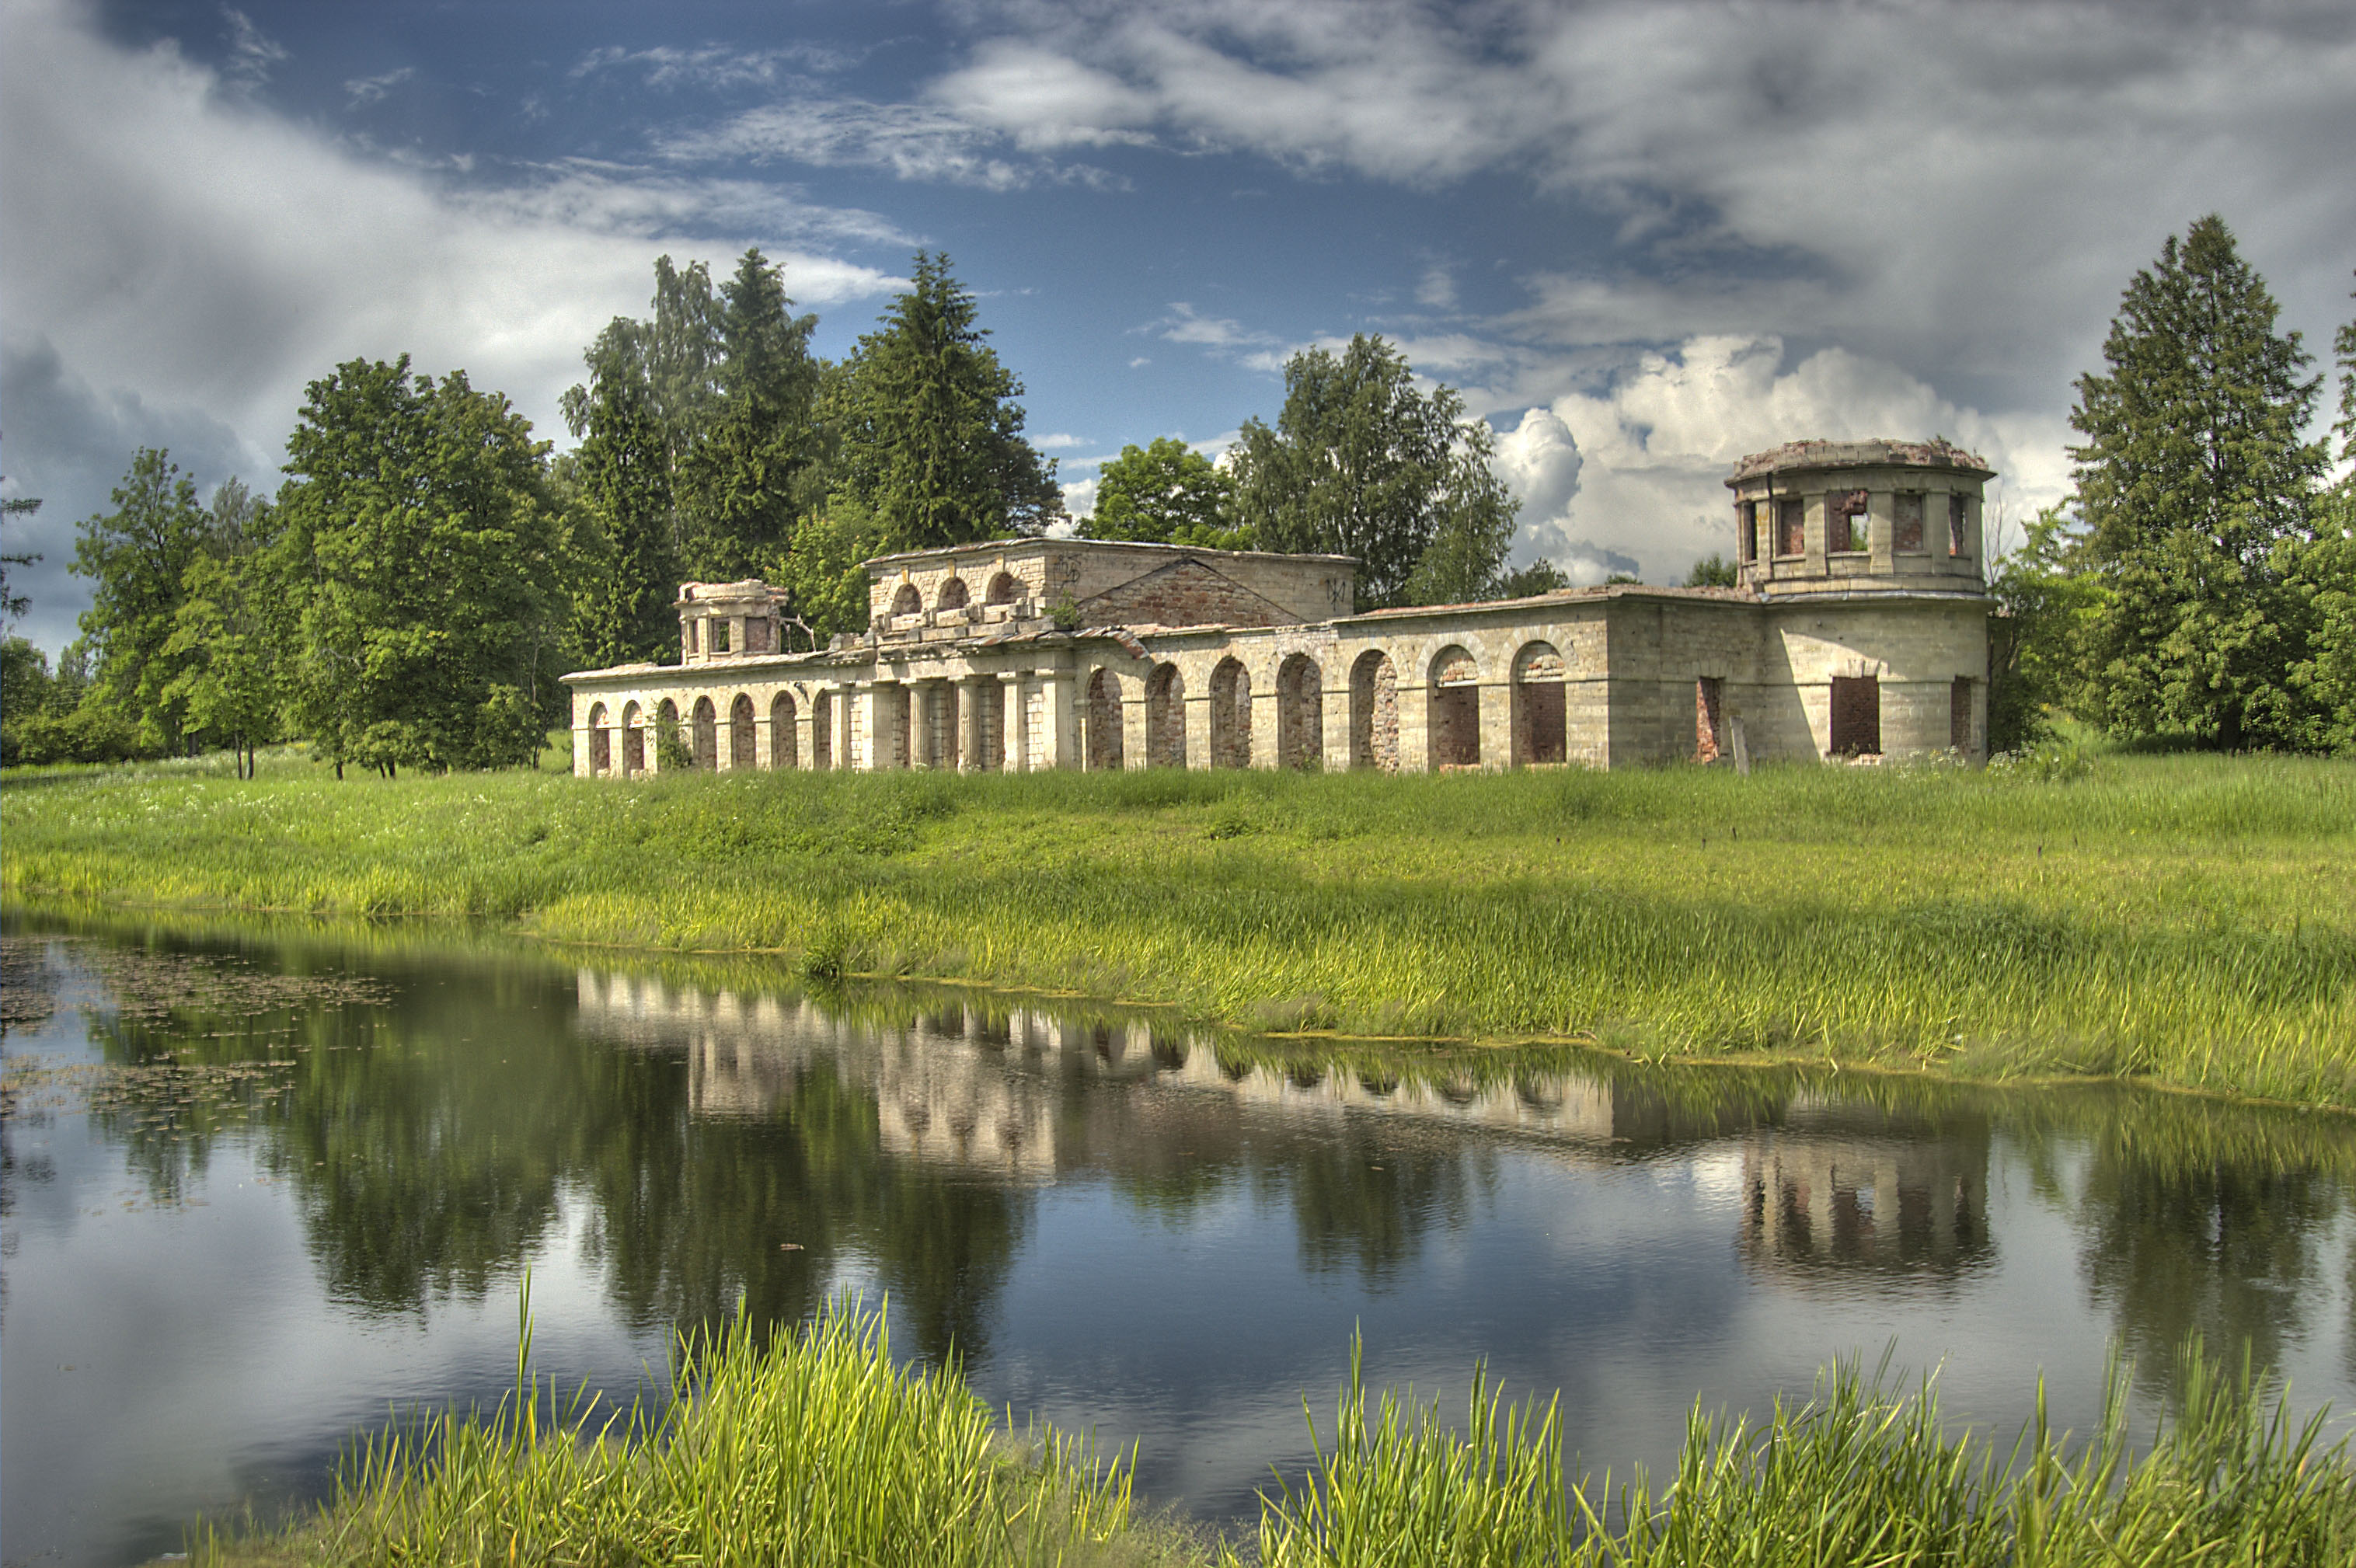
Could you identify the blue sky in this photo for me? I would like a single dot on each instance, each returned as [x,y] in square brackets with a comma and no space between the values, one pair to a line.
[1640,239]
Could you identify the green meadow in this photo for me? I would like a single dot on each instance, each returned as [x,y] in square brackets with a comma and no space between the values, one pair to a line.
[2182,919]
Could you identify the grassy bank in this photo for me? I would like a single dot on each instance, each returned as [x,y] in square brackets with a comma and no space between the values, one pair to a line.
[816,1450]
[2184,918]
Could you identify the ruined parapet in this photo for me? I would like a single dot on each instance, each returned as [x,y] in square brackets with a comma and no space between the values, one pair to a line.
[1860,517]
[729,620]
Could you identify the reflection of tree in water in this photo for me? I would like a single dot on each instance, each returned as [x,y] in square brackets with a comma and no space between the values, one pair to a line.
[1368,1197]
[2173,1245]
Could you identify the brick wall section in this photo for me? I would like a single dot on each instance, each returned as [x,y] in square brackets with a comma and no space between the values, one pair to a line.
[1374,714]
[1184,593]
[1299,713]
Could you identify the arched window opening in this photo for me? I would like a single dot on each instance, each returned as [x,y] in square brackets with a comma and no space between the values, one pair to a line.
[953,595]
[1373,713]
[1538,722]
[634,742]
[706,743]
[1455,710]
[821,729]
[1005,588]
[1299,713]
[741,754]
[1165,717]
[1104,721]
[1231,745]
[907,601]
[785,744]
[601,742]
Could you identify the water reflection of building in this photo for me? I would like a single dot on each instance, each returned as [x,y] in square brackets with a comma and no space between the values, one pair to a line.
[1839,1189]
[990,1089]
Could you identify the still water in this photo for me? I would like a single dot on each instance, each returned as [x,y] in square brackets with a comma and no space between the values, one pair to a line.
[264,1190]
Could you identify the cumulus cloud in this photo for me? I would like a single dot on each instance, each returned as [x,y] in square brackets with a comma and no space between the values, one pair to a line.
[1634,470]
[165,236]
[1958,189]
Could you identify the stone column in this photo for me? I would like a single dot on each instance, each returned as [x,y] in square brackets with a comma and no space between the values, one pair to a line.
[1413,726]
[1497,722]
[973,713]
[1265,729]
[581,741]
[1059,747]
[1134,750]
[1198,720]
[846,694]
[1014,730]
[804,731]
[764,750]
[1335,743]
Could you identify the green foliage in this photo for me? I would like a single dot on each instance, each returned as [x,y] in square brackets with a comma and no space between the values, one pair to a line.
[1541,576]
[745,479]
[136,558]
[226,640]
[930,436]
[2194,488]
[1712,570]
[420,554]
[1168,493]
[2325,579]
[824,572]
[45,718]
[630,572]
[2048,617]
[1361,463]
[13,604]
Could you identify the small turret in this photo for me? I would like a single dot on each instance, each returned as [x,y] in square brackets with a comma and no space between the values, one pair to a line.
[727,620]
[1860,517]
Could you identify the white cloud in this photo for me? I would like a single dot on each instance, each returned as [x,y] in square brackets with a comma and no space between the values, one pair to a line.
[712,66]
[1080,498]
[165,236]
[362,90]
[1636,469]
[1058,442]
[1437,288]
[252,54]
[909,140]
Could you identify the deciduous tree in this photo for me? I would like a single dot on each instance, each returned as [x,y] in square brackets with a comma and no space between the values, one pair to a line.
[1167,493]
[1361,463]
[136,558]
[419,553]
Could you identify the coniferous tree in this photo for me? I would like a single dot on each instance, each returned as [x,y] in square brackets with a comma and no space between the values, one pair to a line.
[2194,489]
[930,435]
[756,468]
[629,570]
[420,554]
[1361,463]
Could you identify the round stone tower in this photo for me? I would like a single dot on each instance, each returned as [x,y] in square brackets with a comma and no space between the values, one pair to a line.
[1859,517]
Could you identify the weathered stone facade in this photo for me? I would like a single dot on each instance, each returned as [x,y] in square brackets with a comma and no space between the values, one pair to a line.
[1865,637]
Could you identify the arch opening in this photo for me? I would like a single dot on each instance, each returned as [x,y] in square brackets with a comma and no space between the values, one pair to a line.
[1455,710]
[1004,589]
[1104,721]
[907,601]
[821,729]
[1299,713]
[1165,717]
[954,595]
[785,743]
[741,744]
[1230,715]
[634,742]
[601,742]
[1538,720]
[706,742]
[1373,713]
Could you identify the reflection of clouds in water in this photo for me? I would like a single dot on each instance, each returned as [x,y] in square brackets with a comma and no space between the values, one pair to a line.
[1715,1176]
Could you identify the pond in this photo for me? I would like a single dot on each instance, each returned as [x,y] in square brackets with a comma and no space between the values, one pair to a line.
[265,1188]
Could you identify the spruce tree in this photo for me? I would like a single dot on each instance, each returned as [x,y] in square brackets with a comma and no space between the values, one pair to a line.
[2194,489]
[930,433]
[754,470]
[629,576]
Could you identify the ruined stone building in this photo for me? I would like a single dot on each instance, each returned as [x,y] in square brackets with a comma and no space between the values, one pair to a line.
[1859,629]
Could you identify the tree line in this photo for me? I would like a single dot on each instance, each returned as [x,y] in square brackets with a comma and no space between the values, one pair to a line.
[428,569]
[2199,585]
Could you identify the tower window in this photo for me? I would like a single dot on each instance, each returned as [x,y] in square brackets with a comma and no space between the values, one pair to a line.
[1906,522]
[1844,515]
[1957,512]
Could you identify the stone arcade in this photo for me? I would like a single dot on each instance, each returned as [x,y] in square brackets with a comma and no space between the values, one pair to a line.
[1858,630]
